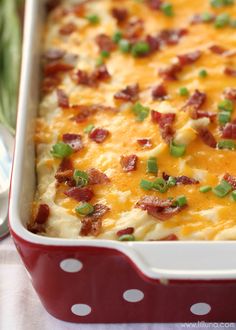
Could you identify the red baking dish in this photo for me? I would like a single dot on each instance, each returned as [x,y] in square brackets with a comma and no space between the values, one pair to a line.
[105,281]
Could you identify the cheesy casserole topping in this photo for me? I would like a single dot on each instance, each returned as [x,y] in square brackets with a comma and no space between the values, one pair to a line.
[136,134]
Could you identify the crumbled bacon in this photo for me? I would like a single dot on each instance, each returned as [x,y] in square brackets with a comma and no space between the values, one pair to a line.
[154,4]
[84,111]
[56,67]
[230,93]
[129,163]
[54,54]
[170,72]
[230,72]
[80,194]
[171,237]
[83,78]
[185,180]
[92,224]
[65,172]
[196,100]
[133,29]
[67,28]
[104,42]
[229,131]
[158,208]
[159,92]
[97,177]
[196,113]
[145,143]
[42,214]
[100,73]
[99,134]
[189,58]
[50,83]
[230,179]
[62,98]
[130,93]
[126,231]
[74,140]
[153,42]
[120,14]
[164,120]
[207,137]
[216,49]
[171,36]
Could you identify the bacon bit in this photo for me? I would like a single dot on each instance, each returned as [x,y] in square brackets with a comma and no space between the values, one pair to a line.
[92,224]
[185,180]
[230,179]
[42,214]
[120,14]
[207,137]
[67,29]
[159,92]
[129,163]
[50,83]
[158,208]
[189,58]
[170,72]
[83,78]
[171,36]
[79,10]
[130,93]
[133,29]
[230,93]
[86,110]
[229,131]
[162,119]
[230,72]
[126,231]
[145,143]
[217,49]
[196,100]
[62,98]
[74,140]
[154,4]
[56,67]
[98,135]
[104,42]
[97,177]
[80,194]
[54,54]
[153,43]
[195,114]
[65,172]
[100,73]
[171,237]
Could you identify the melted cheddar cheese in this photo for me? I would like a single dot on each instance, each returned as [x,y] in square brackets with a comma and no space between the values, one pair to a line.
[206,216]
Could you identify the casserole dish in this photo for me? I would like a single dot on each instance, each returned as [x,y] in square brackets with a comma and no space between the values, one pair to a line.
[77,279]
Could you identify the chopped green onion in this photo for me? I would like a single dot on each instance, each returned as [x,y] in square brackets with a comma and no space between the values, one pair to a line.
[93,18]
[105,54]
[221,3]
[234,195]
[140,48]
[84,209]
[126,237]
[222,20]
[146,185]
[61,150]
[89,128]
[167,9]
[140,111]
[226,105]
[99,61]
[226,144]
[81,178]
[180,201]
[171,182]
[160,185]
[205,189]
[206,17]
[222,189]
[152,165]
[203,73]
[177,150]
[117,36]
[124,45]
[183,91]
[224,117]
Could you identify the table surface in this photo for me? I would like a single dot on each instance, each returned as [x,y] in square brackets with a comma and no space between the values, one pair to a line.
[20,308]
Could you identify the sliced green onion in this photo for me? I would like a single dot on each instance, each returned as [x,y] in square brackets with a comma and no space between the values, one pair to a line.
[226,105]
[99,61]
[140,111]
[226,144]
[177,150]
[222,20]
[183,91]
[207,17]
[202,73]
[93,18]
[234,195]
[117,36]
[167,9]
[140,48]
[222,189]
[126,237]
[81,178]
[171,182]
[146,185]
[205,189]
[124,45]
[160,185]
[152,165]
[89,128]
[105,54]
[61,150]
[181,201]
[84,209]
[224,117]
[221,3]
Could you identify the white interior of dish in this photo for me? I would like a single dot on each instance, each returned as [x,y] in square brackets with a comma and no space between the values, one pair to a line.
[158,260]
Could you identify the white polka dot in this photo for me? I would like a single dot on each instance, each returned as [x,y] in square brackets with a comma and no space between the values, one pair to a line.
[133,295]
[81,309]
[200,309]
[71,265]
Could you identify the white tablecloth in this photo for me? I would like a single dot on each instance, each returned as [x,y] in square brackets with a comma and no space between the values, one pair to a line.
[20,308]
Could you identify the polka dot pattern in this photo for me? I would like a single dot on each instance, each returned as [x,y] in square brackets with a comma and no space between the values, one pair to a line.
[71,265]
[133,295]
[200,309]
[81,309]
